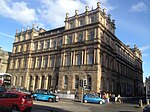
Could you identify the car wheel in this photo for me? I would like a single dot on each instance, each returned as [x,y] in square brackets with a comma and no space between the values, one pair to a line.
[100,102]
[85,101]
[29,110]
[50,100]
[15,109]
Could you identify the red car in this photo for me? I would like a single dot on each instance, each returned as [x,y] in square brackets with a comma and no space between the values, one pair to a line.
[15,101]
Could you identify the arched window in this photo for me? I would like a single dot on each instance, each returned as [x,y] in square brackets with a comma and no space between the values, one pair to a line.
[76,82]
[89,82]
[65,82]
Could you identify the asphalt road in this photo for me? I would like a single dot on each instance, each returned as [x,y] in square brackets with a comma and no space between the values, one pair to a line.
[70,106]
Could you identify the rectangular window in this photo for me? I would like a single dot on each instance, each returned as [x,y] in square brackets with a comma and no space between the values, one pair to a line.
[69,40]
[45,61]
[33,63]
[54,44]
[60,42]
[71,25]
[58,60]
[80,22]
[78,59]
[39,62]
[47,44]
[91,35]
[90,57]
[80,37]
[36,46]
[92,19]
[68,59]
[52,61]
[42,45]
[16,49]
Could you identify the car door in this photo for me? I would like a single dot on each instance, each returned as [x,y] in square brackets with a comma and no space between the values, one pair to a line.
[12,99]
[3,102]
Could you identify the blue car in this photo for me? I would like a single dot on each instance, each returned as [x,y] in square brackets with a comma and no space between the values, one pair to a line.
[45,95]
[93,99]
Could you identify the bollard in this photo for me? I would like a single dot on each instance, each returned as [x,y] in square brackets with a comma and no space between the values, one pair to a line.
[140,103]
[147,101]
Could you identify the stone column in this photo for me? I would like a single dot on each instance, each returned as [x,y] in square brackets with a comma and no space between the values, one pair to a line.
[74,59]
[76,18]
[85,60]
[98,56]
[46,83]
[86,15]
[95,56]
[66,21]
[82,54]
[48,64]
[95,33]
[98,33]
[85,35]
[75,37]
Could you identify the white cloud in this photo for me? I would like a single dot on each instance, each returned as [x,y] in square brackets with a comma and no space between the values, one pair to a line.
[145,50]
[139,7]
[53,12]
[47,13]
[6,35]
[17,11]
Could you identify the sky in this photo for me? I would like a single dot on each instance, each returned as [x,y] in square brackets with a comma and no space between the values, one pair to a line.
[132,19]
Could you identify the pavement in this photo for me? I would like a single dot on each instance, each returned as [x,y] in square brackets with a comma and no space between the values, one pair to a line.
[76,106]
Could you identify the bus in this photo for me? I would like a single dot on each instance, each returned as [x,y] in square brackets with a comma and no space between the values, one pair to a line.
[5,79]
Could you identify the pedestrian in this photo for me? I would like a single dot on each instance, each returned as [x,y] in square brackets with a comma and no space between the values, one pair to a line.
[107,98]
[119,99]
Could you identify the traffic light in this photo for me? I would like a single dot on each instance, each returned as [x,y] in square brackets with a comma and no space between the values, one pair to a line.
[81,83]
[84,82]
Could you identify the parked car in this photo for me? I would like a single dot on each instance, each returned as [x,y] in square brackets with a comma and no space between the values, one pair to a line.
[43,94]
[2,89]
[92,99]
[15,101]
[146,108]
[19,89]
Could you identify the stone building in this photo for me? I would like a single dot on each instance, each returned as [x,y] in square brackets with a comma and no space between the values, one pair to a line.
[4,56]
[85,48]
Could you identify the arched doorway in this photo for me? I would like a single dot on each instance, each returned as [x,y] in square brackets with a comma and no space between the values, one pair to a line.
[43,81]
[49,87]
[30,83]
[36,82]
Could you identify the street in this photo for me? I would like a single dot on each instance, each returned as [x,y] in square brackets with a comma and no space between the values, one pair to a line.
[70,106]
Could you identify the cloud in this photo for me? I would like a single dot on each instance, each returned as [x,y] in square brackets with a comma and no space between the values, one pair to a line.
[6,35]
[139,7]
[47,13]
[17,11]
[53,12]
[145,50]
